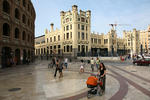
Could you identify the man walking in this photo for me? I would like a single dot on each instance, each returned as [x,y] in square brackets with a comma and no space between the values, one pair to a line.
[97,63]
[66,62]
[92,64]
[57,67]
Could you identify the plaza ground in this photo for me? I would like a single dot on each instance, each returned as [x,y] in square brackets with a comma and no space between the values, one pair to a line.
[124,81]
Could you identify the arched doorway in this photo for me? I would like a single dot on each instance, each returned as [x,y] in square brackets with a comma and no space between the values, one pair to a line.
[29,54]
[6,29]
[17,56]
[6,57]
[83,50]
[24,56]
[6,7]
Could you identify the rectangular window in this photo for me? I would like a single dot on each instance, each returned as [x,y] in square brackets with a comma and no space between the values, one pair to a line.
[71,48]
[99,41]
[86,28]
[105,41]
[82,19]
[64,49]
[47,40]
[54,46]
[67,27]
[78,26]
[86,48]
[82,35]
[92,40]
[129,44]
[78,35]
[71,26]
[95,40]
[71,35]
[58,37]
[59,46]
[38,51]
[64,36]
[50,39]
[54,38]
[44,51]
[78,48]
[50,51]
[78,19]
[82,27]
[67,48]
[67,36]
[64,28]
[51,47]
[86,36]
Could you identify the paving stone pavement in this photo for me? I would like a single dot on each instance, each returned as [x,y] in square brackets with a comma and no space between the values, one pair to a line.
[124,81]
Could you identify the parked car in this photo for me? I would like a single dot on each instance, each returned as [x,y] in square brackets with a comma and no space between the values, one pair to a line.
[144,61]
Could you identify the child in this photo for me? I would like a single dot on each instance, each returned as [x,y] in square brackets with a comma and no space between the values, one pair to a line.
[81,69]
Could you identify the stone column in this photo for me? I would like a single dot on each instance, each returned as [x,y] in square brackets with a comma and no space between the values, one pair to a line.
[0,56]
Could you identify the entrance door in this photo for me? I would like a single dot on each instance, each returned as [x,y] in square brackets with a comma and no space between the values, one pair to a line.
[24,56]
[17,55]
[83,50]
[6,57]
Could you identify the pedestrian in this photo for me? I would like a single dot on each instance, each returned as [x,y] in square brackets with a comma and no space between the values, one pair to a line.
[92,64]
[97,63]
[66,62]
[82,67]
[57,67]
[15,60]
[102,75]
[53,62]
[21,58]
[60,69]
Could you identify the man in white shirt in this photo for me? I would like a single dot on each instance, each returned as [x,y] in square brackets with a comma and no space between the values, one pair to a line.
[66,62]
[92,64]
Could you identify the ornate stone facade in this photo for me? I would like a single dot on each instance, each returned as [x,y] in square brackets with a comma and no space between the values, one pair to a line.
[17,19]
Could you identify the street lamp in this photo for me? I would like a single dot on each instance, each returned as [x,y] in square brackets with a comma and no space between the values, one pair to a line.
[124,49]
[141,49]
[131,45]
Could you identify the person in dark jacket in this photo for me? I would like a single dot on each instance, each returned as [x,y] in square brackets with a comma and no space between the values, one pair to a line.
[57,67]
[102,74]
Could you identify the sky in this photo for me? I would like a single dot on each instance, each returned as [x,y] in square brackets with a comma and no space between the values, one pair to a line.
[130,13]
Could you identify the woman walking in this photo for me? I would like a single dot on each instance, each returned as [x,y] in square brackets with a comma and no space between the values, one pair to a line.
[57,67]
[102,75]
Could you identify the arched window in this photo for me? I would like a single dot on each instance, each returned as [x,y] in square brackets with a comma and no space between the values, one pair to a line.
[28,7]
[16,33]
[23,35]
[28,38]
[28,22]
[67,48]
[17,14]
[6,29]
[24,3]
[31,39]
[6,7]
[24,19]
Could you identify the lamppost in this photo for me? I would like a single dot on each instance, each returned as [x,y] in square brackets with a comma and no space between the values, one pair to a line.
[124,49]
[47,53]
[141,49]
[131,45]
